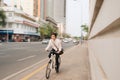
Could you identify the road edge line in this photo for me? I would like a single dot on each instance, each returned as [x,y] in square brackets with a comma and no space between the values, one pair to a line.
[27,68]
[34,72]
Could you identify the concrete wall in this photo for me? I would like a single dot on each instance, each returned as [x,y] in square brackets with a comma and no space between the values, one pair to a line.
[104,41]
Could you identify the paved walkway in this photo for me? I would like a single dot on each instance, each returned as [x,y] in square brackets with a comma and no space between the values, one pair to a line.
[75,66]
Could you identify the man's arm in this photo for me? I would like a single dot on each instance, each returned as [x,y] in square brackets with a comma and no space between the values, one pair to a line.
[48,46]
[60,45]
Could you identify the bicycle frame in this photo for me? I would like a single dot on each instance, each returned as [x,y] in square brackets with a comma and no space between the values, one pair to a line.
[51,65]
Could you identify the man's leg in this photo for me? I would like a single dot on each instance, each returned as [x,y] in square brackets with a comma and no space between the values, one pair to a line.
[57,62]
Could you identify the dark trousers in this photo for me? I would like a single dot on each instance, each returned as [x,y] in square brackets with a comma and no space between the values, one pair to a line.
[57,60]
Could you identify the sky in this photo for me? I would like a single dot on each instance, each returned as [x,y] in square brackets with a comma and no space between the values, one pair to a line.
[76,14]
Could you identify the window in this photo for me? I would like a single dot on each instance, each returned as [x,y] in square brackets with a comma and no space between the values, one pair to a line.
[17,26]
[10,14]
[10,25]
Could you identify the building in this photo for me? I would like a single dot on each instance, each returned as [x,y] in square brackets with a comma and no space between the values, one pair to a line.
[20,26]
[37,8]
[56,12]
[43,6]
[2,3]
[26,5]
[104,39]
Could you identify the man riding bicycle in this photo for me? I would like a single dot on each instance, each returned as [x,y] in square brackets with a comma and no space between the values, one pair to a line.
[56,46]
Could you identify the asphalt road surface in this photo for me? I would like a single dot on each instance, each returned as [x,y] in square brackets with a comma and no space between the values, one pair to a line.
[17,56]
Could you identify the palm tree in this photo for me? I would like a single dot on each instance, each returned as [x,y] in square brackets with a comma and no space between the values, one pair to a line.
[2,18]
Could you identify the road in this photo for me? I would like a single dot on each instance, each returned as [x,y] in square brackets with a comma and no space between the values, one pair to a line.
[17,56]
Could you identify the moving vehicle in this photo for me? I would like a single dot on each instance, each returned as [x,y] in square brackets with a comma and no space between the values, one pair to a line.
[45,41]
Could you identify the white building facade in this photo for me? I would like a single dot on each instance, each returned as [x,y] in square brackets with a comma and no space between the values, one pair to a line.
[26,5]
[20,26]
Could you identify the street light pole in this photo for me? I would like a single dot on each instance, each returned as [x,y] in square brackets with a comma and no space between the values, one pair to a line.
[7,33]
[81,23]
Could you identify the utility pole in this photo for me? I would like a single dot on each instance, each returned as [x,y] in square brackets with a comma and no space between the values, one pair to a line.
[7,33]
[81,23]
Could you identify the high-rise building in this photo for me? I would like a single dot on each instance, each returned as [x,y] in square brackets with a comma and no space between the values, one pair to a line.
[55,12]
[56,9]
[43,9]
[37,8]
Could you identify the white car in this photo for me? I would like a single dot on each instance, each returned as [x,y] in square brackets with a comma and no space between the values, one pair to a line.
[75,41]
[65,41]
[45,41]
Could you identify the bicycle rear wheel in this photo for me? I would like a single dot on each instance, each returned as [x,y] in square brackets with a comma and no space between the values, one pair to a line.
[48,70]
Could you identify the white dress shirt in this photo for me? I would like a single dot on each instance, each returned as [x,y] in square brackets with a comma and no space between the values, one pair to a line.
[57,42]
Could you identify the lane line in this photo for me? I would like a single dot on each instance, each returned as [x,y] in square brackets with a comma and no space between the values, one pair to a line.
[25,69]
[22,59]
[34,72]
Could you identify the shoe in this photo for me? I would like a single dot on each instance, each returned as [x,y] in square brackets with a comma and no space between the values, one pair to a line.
[57,70]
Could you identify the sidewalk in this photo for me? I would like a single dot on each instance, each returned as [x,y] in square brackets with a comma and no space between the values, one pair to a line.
[75,66]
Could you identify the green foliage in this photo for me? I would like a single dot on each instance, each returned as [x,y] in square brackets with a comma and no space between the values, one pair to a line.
[85,29]
[2,18]
[46,30]
[65,35]
[77,38]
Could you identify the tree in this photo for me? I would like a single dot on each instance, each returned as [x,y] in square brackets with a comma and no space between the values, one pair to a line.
[2,18]
[65,35]
[85,29]
[46,30]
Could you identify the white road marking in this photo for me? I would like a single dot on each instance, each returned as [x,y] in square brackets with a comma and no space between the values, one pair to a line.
[27,68]
[26,58]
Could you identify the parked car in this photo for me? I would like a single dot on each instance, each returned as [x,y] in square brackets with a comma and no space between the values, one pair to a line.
[45,41]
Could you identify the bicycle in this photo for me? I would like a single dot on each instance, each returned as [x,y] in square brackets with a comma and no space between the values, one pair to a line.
[51,64]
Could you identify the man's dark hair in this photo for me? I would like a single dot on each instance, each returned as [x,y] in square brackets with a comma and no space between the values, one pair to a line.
[54,34]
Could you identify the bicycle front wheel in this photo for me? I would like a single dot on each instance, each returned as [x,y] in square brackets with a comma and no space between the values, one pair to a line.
[48,70]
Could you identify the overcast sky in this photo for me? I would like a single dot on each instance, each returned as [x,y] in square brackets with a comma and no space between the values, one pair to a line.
[76,14]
